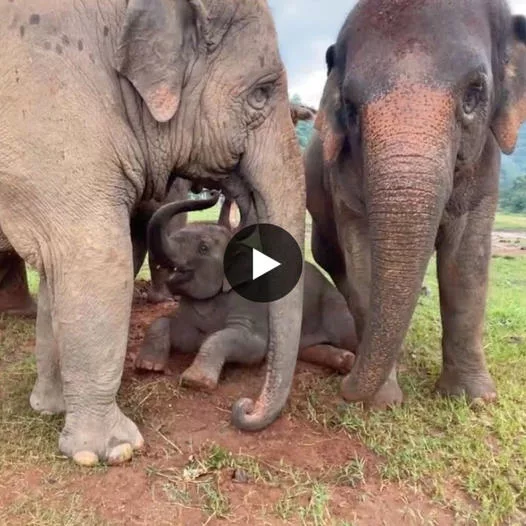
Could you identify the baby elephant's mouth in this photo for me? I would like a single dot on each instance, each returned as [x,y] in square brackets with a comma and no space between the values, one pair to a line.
[178,276]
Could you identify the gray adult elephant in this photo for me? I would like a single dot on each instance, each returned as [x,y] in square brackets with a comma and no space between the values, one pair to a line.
[420,97]
[101,102]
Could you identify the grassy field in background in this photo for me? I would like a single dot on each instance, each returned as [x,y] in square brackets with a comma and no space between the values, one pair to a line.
[510,222]
[468,460]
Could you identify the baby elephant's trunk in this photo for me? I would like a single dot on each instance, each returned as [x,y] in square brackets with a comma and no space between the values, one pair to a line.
[161,218]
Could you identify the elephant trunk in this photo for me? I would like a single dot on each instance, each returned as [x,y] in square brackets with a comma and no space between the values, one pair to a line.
[409,171]
[272,166]
[157,225]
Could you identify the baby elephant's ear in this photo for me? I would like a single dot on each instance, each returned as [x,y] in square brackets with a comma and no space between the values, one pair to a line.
[511,112]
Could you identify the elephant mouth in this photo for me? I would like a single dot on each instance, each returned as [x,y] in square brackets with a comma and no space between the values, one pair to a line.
[178,277]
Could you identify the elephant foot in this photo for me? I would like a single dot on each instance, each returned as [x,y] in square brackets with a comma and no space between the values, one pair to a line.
[156,296]
[477,388]
[47,397]
[200,378]
[139,294]
[340,360]
[389,395]
[90,439]
[152,360]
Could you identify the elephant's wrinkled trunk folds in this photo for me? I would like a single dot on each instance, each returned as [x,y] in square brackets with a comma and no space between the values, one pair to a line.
[408,170]
[274,169]
[161,218]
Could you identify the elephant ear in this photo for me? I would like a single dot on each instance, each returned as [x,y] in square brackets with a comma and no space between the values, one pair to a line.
[327,123]
[329,58]
[159,39]
[512,110]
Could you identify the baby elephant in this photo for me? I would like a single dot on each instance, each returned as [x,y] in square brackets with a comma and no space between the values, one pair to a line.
[217,323]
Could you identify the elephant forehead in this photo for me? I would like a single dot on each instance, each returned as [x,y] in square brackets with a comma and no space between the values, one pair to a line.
[419,40]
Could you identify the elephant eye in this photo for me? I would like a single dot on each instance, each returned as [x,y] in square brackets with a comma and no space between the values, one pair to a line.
[352,113]
[260,96]
[203,248]
[472,98]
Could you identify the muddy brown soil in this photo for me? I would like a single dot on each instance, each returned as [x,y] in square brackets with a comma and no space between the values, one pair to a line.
[179,425]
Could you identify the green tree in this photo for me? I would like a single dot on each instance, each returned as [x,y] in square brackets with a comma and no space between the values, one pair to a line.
[514,199]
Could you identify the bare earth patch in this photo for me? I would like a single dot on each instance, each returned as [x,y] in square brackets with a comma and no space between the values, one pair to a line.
[509,243]
[197,469]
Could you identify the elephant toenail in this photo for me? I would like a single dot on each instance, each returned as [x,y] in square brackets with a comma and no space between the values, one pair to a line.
[86,458]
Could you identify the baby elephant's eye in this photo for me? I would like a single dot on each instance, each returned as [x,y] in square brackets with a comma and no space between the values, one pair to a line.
[203,248]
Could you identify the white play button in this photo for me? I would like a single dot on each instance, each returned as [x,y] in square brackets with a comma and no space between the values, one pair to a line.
[262,264]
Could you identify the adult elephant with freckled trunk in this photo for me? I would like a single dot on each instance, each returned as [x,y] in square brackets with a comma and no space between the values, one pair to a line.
[419,99]
[101,102]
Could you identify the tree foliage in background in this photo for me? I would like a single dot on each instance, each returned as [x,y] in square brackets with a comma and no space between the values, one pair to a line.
[514,199]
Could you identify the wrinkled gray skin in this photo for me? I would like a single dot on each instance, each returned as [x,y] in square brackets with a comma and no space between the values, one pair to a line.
[93,123]
[420,99]
[218,323]
[15,298]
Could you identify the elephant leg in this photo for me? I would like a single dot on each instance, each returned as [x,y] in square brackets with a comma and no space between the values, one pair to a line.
[337,321]
[91,286]
[163,336]
[14,290]
[340,360]
[138,226]
[228,345]
[358,269]
[328,256]
[155,349]
[463,257]
[158,292]
[47,396]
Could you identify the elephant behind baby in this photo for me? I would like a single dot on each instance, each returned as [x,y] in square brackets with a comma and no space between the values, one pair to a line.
[421,97]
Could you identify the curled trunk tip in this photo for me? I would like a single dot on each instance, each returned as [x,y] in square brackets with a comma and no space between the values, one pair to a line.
[159,220]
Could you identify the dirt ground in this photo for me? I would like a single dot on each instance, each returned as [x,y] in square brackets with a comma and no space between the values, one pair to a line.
[270,477]
[509,243]
[197,469]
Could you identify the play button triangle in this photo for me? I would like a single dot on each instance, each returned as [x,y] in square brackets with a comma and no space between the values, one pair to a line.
[262,264]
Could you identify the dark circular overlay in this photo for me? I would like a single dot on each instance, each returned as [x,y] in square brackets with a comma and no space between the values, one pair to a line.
[273,242]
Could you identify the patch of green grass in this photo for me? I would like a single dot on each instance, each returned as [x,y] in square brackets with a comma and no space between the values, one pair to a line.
[305,495]
[35,511]
[444,445]
[26,436]
[510,222]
